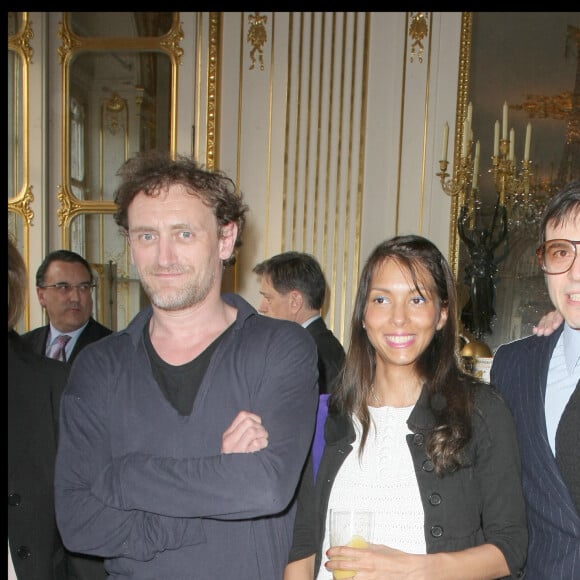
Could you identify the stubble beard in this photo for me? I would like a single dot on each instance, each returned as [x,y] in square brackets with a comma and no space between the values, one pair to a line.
[193,292]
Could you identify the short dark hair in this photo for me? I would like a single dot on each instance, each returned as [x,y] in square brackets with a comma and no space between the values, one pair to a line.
[153,171]
[563,206]
[61,256]
[296,271]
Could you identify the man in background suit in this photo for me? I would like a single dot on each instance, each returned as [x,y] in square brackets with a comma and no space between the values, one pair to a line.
[64,284]
[35,384]
[293,287]
[539,376]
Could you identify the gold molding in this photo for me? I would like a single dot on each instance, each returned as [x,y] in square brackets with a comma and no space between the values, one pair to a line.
[462,100]
[418,30]
[257,36]
[21,205]
[170,42]
[215,24]
[20,42]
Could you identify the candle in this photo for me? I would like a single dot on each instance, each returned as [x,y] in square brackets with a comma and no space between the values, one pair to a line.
[496,140]
[475,166]
[465,138]
[512,144]
[445,142]
[504,127]
[528,141]
[470,113]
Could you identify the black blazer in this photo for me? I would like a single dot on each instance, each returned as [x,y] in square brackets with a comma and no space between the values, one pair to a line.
[35,384]
[520,370]
[36,339]
[34,387]
[330,355]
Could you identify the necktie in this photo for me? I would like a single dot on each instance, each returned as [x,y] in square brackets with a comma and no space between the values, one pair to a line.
[567,437]
[58,348]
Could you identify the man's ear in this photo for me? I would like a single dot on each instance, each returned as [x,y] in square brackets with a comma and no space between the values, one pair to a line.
[296,300]
[227,240]
[130,250]
[40,294]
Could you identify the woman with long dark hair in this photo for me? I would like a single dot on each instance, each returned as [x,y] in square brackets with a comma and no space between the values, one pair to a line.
[409,435]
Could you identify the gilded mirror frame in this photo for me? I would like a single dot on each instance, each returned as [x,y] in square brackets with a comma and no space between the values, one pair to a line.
[72,45]
[20,214]
[19,44]
[462,103]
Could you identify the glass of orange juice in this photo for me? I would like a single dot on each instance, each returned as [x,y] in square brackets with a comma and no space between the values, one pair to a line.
[350,527]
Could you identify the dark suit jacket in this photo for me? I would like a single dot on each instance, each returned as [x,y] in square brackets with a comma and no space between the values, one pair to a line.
[330,355]
[520,370]
[36,339]
[35,384]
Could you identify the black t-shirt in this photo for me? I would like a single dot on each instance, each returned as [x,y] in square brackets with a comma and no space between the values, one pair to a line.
[180,383]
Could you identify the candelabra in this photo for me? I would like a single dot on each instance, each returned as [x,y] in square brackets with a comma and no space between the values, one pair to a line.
[514,204]
[514,188]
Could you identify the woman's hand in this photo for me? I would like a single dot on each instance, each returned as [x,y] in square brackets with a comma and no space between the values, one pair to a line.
[376,562]
[548,323]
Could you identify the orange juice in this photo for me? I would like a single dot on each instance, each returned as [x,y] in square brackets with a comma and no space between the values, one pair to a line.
[355,542]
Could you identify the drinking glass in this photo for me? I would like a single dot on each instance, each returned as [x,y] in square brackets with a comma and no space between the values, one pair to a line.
[350,527]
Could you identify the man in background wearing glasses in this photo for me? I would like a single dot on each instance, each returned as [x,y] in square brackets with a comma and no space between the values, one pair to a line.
[539,377]
[64,286]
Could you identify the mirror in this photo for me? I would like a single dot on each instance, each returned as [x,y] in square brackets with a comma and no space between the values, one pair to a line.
[536,72]
[119,104]
[119,99]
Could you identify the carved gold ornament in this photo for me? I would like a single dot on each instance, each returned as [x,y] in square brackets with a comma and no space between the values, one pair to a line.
[418,30]
[257,37]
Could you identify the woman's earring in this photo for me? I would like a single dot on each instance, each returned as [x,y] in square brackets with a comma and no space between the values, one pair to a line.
[364,325]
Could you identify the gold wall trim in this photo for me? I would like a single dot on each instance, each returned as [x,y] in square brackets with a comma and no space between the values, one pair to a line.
[70,207]
[462,100]
[213,70]
[20,42]
[21,205]
[418,30]
[257,36]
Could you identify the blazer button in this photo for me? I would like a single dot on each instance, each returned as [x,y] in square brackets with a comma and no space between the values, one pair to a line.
[418,439]
[434,499]
[23,552]
[427,465]
[436,531]
[14,499]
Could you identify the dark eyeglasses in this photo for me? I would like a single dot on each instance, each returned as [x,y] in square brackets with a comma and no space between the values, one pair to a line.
[64,288]
[557,256]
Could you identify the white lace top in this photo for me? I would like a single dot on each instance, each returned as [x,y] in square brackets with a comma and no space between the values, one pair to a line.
[383,481]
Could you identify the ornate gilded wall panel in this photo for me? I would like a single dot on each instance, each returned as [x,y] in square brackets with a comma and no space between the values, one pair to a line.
[20,196]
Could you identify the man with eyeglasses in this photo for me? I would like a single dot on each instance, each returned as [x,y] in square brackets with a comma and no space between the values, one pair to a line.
[64,286]
[539,376]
